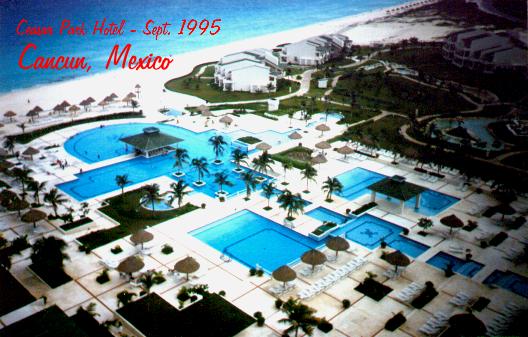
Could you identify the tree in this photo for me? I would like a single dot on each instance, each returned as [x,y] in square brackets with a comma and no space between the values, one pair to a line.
[22,176]
[47,253]
[330,186]
[178,191]
[181,157]
[9,145]
[122,181]
[36,188]
[150,278]
[290,202]
[268,190]
[200,164]
[218,143]
[55,199]
[300,316]
[239,157]
[286,165]
[151,194]
[134,104]
[425,223]
[262,163]
[250,181]
[124,297]
[22,126]
[308,173]
[222,178]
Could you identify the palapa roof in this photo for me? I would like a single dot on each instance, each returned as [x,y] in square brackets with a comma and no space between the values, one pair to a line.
[319,159]
[141,236]
[74,108]
[17,204]
[452,221]
[295,135]
[284,274]
[90,100]
[263,146]
[130,265]
[313,257]
[30,151]
[396,187]
[150,139]
[112,95]
[397,258]
[323,145]
[226,120]
[33,215]
[337,243]
[37,109]
[505,209]
[4,164]
[32,113]
[345,150]
[466,324]
[322,127]
[187,265]
[10,113]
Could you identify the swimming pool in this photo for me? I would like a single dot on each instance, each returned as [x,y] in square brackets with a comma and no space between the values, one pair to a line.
[356,181]
[460,266]
[103,143]
[324,214]
[509,281]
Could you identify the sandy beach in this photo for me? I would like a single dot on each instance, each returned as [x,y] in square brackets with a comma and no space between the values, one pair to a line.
[362,29]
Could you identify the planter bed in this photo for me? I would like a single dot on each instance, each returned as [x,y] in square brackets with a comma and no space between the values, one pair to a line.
[395,322]
[53,278]
[14,295]
[359,211]
[322,231]
[421,170]
[426,296]
[497,239]
[368,154]
[75,224]
[88,323]
[438,175]
[373,289]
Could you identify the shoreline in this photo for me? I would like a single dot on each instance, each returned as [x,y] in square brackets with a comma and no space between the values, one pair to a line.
[152,96]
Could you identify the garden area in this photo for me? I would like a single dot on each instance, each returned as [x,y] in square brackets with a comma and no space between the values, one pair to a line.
[126,210]
[298,156]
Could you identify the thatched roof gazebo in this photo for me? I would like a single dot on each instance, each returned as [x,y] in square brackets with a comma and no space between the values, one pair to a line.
[284,274]
[151,142]
[226,120]
[396,187]
[322,128]
[74,109]
[130,265]
[295,135]
[33,216]
[140,237]
[397,259]
[187,266]
[30,152]
[337,244]
[323,145]
[314,258]
[452,221]
[345,150]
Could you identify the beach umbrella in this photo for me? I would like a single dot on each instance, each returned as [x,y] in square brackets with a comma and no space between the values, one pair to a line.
[138,88]
[322,128]
[466,324]
[314,258]
[73,109]
[226,120]
[6,196]
[84,103]
[57,108]
[323,146]
[90,100]
[113,96]
[452,221]
[30,151]
[505,209]
[263,146]
[319,159]
[131,95]
[284,274]
[130,265]
[204,110]
[31,114]
[109,99]
[140,237]
[5,165]
[397,259]
[127,100]
[3,153]
[103,103]
[187,266]
[64,105]
[345,150]
[33,216]
[37,109]
[17,204]
[337,244]
[295,135]
[10,114]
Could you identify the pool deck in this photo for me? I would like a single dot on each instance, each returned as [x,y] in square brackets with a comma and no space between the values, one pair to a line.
[253,293]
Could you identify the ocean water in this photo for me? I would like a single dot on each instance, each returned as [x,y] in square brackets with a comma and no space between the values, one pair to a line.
[240,20]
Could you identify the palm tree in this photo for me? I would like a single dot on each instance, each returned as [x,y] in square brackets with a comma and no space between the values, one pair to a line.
[218,143]
[268,190]
[9,145]
[250,181]
[222,178]
[286,165]
[55,199]
[300,316]
[121,181]
[181,157]
[124,297]
[134,104]
[178,191]
[290,202]
[308,173]
[239,157]
[200,164]
[22,126]
[37,187]
[332,185]
[22,176]
[151,194]
[262,164]
[47,253]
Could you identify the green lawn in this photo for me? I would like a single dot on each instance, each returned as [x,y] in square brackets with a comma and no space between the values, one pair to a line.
[209,71]
[249,140]
[298,156]
[131,216]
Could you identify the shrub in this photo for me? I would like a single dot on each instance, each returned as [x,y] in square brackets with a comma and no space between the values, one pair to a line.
[116,250]
[183,294]
[103,277]
[202,205]
[405,231]
[260,272]
[167,249]
[448,271]
[194,298]
[222,293]
[278,303]
[497,239]
[383,244]
[395,322]
[346,303]
[260,319]
[252,272]
[325,326]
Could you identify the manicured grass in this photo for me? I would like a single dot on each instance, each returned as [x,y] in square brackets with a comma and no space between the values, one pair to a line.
[53,278]
[132,217]
[75,224]
[298,156]
[373,289]
[209,71]
[14,295]
[249,140]
[213,316]
[207,90]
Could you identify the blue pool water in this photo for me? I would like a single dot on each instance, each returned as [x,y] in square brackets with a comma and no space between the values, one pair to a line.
[160,204]
[510,281]
[173,113]
[324,214]
[102,143]
[460,266]
[356,181]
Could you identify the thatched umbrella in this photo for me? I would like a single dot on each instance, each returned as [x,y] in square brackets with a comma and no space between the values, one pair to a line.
[397,259]
[34,215]
[452,221]
[37,109]
[284,274]
[345,150]
[337,244]
[18,205]
[90,100]
[10,114]
[505,209]
[323,145]
[103,103]
[127,100]
[187,266]
[31,114]
[295,135]
[6,196]
[138,88]
[204,110]
[85,104]
[74,109]
[113,96]
[322,128]
[64,105]
[314,258]
[109,99]
[30,151]
[466,324]
[131,95]
[5,165]
[263,146]
[130,265]
[319,159]
[57,108]
[226,120]
[140,237]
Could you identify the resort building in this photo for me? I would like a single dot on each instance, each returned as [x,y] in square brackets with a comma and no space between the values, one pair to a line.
[254,71]
[315,50]
[486,51]
[151,142]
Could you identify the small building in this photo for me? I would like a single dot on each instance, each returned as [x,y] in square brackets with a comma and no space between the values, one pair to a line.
[151,142]
[315,50]
[273,104]
[396,187]
[322,83]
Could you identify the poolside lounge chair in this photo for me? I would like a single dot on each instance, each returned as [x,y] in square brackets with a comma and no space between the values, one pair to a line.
[483,235]
[461,299]
[456,249]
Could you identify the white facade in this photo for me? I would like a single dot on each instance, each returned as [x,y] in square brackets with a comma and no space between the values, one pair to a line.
[315,50]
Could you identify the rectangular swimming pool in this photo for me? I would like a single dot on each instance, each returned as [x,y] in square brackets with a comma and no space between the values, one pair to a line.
[460,266]
[356,181]
[510,281]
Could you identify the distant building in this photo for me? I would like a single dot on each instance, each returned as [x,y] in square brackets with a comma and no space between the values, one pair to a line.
[273,104]
[486,51]
[254,71]
[315,50]
[322,83]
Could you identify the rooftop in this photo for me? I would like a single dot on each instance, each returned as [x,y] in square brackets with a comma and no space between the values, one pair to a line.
[151,139]
[396,187]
